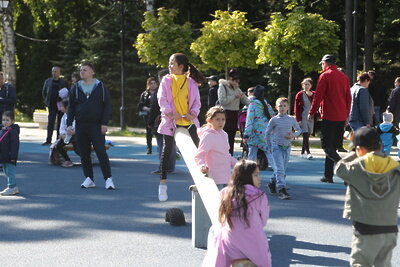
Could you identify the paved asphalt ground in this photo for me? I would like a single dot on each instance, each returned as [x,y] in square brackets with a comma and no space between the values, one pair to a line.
[56,223]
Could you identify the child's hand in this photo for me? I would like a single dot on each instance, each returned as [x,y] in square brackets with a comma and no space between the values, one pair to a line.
[204,169]
[289,136]
[189,117]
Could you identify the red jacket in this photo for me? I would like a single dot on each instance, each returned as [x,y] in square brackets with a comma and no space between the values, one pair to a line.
[333,95]
[299,104]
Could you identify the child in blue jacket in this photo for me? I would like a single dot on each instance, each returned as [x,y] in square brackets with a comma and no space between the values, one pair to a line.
[387,131]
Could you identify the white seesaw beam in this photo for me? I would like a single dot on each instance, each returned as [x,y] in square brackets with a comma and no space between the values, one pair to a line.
[206,186]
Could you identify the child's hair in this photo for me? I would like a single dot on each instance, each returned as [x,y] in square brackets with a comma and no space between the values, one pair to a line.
[281,100]
[363,77]
[90,65]
[181,59]
[250,90]
[212,112]
[367,138]
[308,79]
[397,80]
[76,75]
[387,116]
[65,104]
[242,174]
[9,114]
[149,80]
[259,92]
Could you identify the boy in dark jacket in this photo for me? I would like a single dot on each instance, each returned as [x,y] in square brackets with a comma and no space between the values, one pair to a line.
[9,146]
[372,199]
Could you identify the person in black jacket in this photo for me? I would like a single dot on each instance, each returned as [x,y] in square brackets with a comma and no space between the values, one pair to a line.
[9,146]
[379,95]
[50,91]
[8,95]
[90,107]
[144,108]
[212,91]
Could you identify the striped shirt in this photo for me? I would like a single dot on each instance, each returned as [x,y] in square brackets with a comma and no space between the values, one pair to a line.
[279,127]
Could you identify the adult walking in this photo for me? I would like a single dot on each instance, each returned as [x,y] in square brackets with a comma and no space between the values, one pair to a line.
[333,96]
[394,102]
[8,95]
[379,96]
[302,105]
[90,107]
[144,109]
[50,91]
[212,91]
[230,96]
[362,105]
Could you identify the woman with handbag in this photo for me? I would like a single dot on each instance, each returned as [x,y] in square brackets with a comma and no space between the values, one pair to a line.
[179,100]
[144,109]
[229,97]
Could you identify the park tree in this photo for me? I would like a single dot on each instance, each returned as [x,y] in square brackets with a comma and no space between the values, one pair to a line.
[298,38]
[163,37]
[227,41]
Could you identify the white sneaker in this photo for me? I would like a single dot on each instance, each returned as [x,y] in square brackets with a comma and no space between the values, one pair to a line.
[303,156]
[162,192]
[109,184]
[309,156]
[9,191]
[88,183]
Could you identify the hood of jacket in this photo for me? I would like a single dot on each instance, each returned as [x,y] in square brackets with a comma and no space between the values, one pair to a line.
[202,131]
[385,127]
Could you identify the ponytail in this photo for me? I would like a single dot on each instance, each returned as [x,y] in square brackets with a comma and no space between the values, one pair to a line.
[196,74]
[266,111]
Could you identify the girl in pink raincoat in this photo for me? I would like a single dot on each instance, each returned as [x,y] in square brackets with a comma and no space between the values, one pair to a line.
[243,214]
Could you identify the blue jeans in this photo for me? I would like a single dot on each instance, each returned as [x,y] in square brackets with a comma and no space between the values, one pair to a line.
[9,171]
[281,158]
[252,155]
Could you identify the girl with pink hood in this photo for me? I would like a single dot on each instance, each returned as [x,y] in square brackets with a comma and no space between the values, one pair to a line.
[239,236]
[213,152]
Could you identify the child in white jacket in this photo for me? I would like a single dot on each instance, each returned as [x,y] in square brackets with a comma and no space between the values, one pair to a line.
[213,155]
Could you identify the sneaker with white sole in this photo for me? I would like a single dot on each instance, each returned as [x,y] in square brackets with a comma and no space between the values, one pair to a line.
[309,156]
[162,192]
[10,191]
[109,184]
[88,183]
[303,156]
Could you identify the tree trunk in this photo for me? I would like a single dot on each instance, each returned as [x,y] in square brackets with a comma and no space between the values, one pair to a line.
[349,38]
[290,89]
[369,35]
[8,46]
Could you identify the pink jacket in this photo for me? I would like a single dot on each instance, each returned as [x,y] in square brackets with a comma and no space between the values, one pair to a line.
[213,152]
[226,245]
[166,102]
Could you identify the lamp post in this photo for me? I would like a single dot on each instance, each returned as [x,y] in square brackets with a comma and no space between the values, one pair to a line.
[122,108]
[354,76]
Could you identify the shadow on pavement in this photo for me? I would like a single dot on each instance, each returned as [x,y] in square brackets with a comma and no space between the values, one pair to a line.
[283,246]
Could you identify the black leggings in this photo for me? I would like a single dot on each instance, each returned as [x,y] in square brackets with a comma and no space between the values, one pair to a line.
[306,143]
[168,144]
[60,148]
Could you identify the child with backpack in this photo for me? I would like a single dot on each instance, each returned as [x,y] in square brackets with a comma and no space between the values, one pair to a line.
[243,213]
[9,146]
[213,152]
[387,131]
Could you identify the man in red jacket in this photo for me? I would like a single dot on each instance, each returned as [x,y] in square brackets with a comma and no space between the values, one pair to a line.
[333,96]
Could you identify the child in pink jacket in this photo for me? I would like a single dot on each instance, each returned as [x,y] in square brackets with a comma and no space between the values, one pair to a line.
[213,152]
[243,213]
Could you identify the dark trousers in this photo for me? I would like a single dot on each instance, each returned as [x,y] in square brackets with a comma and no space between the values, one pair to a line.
[53,113]
[60,148]
[172,157]
[88,134]
[149,133]
[169,142]
[231,141]
[331,133]
[306,143]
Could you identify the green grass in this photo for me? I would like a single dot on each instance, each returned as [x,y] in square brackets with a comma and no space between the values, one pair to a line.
[126,133]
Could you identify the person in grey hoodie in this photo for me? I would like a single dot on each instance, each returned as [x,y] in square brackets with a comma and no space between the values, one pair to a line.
[362,105]
[372,199]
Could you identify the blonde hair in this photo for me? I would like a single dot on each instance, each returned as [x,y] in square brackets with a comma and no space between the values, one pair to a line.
[281,99]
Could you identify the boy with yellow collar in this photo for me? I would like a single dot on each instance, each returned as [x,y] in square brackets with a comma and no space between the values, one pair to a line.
[372,199]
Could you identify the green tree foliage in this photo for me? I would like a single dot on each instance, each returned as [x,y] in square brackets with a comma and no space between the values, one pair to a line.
[298,38]
[227,41]
[163,37]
